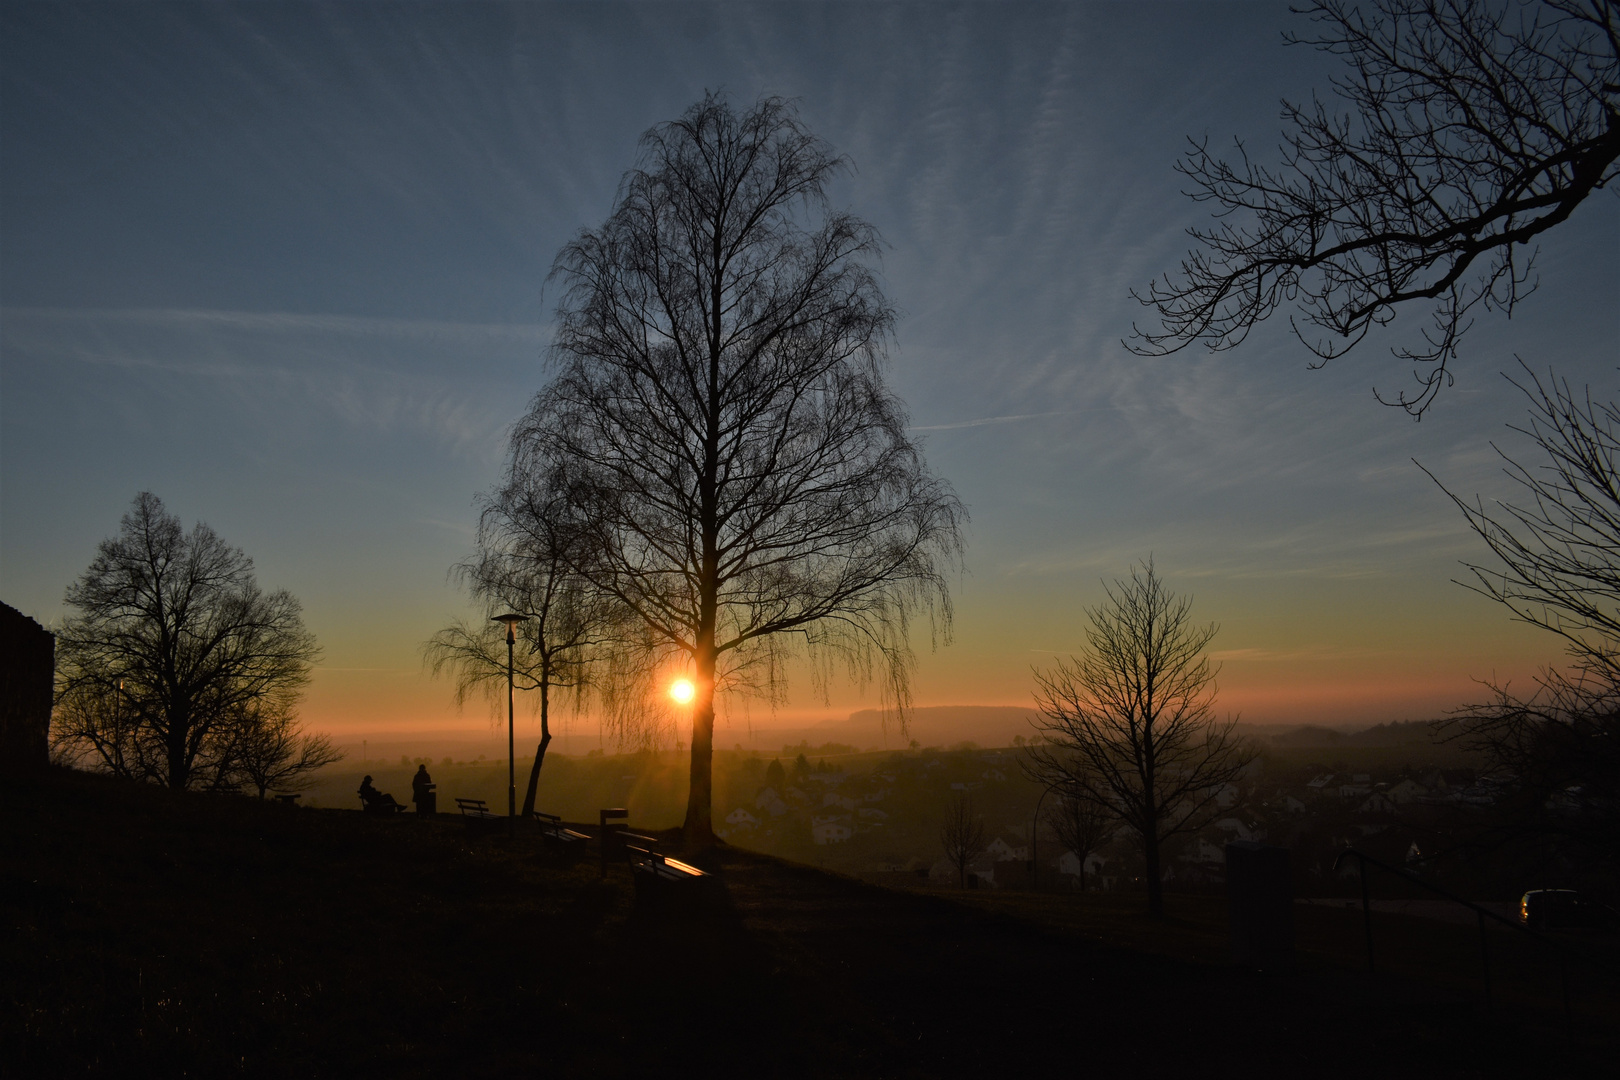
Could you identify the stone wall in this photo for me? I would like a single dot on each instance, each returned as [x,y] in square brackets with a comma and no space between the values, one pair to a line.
[27,686]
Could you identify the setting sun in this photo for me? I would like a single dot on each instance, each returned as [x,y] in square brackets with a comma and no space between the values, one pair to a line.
[682,690]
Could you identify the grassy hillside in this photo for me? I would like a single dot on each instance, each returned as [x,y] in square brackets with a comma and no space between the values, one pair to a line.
[156,934]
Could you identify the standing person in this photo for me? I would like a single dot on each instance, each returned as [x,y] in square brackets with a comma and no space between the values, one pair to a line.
[422,791]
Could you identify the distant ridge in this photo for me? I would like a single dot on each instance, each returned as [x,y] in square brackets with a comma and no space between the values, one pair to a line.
[936,725]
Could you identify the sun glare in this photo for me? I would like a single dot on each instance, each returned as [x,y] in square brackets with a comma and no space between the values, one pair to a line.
[682,690]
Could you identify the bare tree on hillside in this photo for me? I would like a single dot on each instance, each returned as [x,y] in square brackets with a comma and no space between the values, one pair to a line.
[525,564]
[1473,127]
[741,476]
[962,835]
[1130,724]
[173,652]
[1081,825]
[272,754]
[1558,567]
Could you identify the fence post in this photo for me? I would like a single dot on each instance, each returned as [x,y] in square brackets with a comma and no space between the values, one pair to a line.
[1366,910]
[1484,958]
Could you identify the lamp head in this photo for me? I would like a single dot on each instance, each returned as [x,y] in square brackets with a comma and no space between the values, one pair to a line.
[511,619]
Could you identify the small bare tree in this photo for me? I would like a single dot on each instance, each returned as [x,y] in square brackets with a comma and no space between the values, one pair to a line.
[962,835]
[272,754]
[1130,727]
[1081,825]
[1474,126]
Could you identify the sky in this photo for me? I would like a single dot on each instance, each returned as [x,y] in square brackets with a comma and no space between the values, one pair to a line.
[285,266]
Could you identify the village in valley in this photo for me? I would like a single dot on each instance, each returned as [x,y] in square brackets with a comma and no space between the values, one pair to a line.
[1391,791]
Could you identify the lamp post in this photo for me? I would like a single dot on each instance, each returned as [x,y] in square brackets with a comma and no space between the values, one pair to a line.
[1034,843]
[511,619]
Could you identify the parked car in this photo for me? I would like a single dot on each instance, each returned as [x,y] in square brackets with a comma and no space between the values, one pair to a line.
[1555,909]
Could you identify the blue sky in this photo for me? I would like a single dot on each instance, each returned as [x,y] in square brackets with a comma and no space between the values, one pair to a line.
[284,266]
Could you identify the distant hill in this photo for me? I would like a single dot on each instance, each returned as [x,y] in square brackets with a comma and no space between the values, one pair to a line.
[1398,733]
[940,725]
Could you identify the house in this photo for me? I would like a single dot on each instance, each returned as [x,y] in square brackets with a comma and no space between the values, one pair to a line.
[1407,790]
[1202,851]
[999,850]
[742,819]
[833,798]
[1227,796]
[1378,802]
[866,813]
[1234,829]
[994,774]
[1319,785]
[1292,805]
[970,785]
[835,831]
[770,802]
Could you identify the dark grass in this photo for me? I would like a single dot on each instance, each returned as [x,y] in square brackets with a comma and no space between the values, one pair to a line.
[146,933]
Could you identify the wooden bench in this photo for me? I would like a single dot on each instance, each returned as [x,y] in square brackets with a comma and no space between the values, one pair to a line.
[662,867]
[551,827]
[289,800]
[476,809]
[660,880]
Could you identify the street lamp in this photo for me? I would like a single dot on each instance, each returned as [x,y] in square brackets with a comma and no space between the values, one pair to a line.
[1034,843]
[511,619]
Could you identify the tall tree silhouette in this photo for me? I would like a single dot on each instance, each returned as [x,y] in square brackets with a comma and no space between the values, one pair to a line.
[740,476]
[1474,126]
[175,653]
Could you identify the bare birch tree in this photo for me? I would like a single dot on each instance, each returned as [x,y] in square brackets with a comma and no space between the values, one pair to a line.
[1473,127]
[1130,726]
[525,564]
[741,475]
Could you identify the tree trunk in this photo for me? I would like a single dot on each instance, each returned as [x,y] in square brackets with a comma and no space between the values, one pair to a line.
[179,776]
[1155,888]
[699,826]
[539,754]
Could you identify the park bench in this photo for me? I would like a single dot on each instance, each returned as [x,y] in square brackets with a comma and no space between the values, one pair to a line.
[659,879]
[476,809]
[378,806]
[289,800]
[551,827]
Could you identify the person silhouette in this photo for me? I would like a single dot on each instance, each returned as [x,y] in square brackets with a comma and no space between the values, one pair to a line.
[422,791]
[374,799]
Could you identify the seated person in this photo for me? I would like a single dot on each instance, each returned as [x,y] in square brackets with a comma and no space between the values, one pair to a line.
[374,799]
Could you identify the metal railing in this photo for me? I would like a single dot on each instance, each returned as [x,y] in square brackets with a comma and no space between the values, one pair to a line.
[1481,914]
